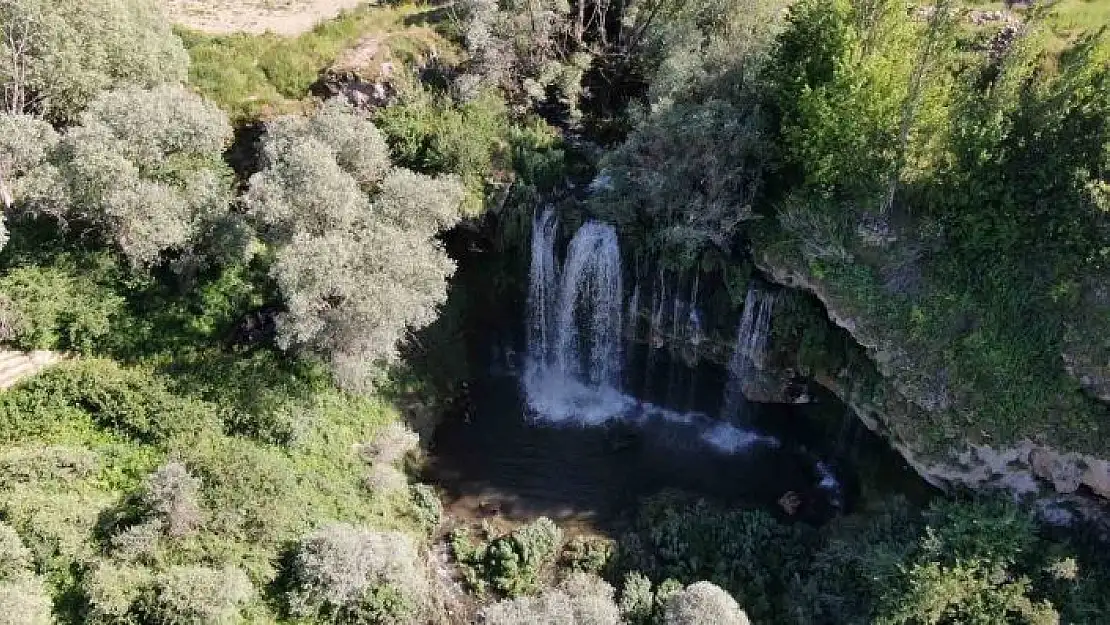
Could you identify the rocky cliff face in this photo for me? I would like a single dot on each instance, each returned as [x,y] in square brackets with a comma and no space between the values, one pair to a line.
[891,397]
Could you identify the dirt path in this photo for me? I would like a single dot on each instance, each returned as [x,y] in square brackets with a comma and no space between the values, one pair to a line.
[284,17]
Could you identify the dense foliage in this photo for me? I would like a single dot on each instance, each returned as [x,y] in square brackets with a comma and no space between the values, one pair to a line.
[58,55]
[224,439]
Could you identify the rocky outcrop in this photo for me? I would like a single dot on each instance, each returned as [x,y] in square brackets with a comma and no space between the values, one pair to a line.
[362,75]
[894,396]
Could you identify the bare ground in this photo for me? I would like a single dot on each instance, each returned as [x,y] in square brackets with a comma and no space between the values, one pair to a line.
[284,17]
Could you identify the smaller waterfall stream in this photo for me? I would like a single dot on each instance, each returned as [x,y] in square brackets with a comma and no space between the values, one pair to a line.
[751,347]
[542,285]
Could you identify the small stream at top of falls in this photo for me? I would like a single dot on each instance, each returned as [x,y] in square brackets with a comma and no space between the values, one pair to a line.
[595,414]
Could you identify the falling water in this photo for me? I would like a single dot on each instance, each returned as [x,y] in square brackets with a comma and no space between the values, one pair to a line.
[542,288]
[694,332]
[633,312]
[590,300]
[751,346]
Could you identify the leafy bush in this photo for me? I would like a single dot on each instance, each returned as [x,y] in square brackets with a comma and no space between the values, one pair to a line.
[637,601]
[251,491]
[345,574]
[24,601]
[112,593]
[426,505]
[745,551]
[129,402]
[193,595]
[966,569]
[15,558]
[56,308]
[587,554]
[39,465]
[579,600]
[512,564]
[170,494]
[390,445]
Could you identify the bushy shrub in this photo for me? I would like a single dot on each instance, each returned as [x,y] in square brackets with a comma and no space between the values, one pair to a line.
[59,54]
[745,551]
[24,601]
[57,308]
[138,543]
[40,465]
[637,601]
[512,564]
[170,494]
[587,554]
[967,569]
[703,603]
[383,479]
[346,574]
[390,445]
[251,492]
[194,595]
[113,593]
[426,505]
[130,402]
[580,600]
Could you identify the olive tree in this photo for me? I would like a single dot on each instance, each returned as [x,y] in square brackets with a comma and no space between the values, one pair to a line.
[57,55]
[25,143]
[356,259]
[342,573]
[703,603]
[143,168]
[23,597]
[581,599]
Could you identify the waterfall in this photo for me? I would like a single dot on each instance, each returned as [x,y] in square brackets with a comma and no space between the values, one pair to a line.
[590,300]
[575,333]
[751,347]
[542,288]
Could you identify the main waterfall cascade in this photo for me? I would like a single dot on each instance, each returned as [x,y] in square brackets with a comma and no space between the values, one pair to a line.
[588,326]
[577,327]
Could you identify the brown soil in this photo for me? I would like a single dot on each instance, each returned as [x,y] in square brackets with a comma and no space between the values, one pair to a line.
[283,17]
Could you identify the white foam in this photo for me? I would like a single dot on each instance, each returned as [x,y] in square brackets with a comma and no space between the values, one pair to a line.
[732,439]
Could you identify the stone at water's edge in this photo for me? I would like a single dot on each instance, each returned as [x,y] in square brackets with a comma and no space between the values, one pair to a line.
[1024,469]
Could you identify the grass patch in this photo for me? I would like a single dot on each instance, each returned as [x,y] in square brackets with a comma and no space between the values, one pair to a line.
[259,76]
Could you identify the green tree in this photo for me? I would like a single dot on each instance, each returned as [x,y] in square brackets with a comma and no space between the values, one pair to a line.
[853,82]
